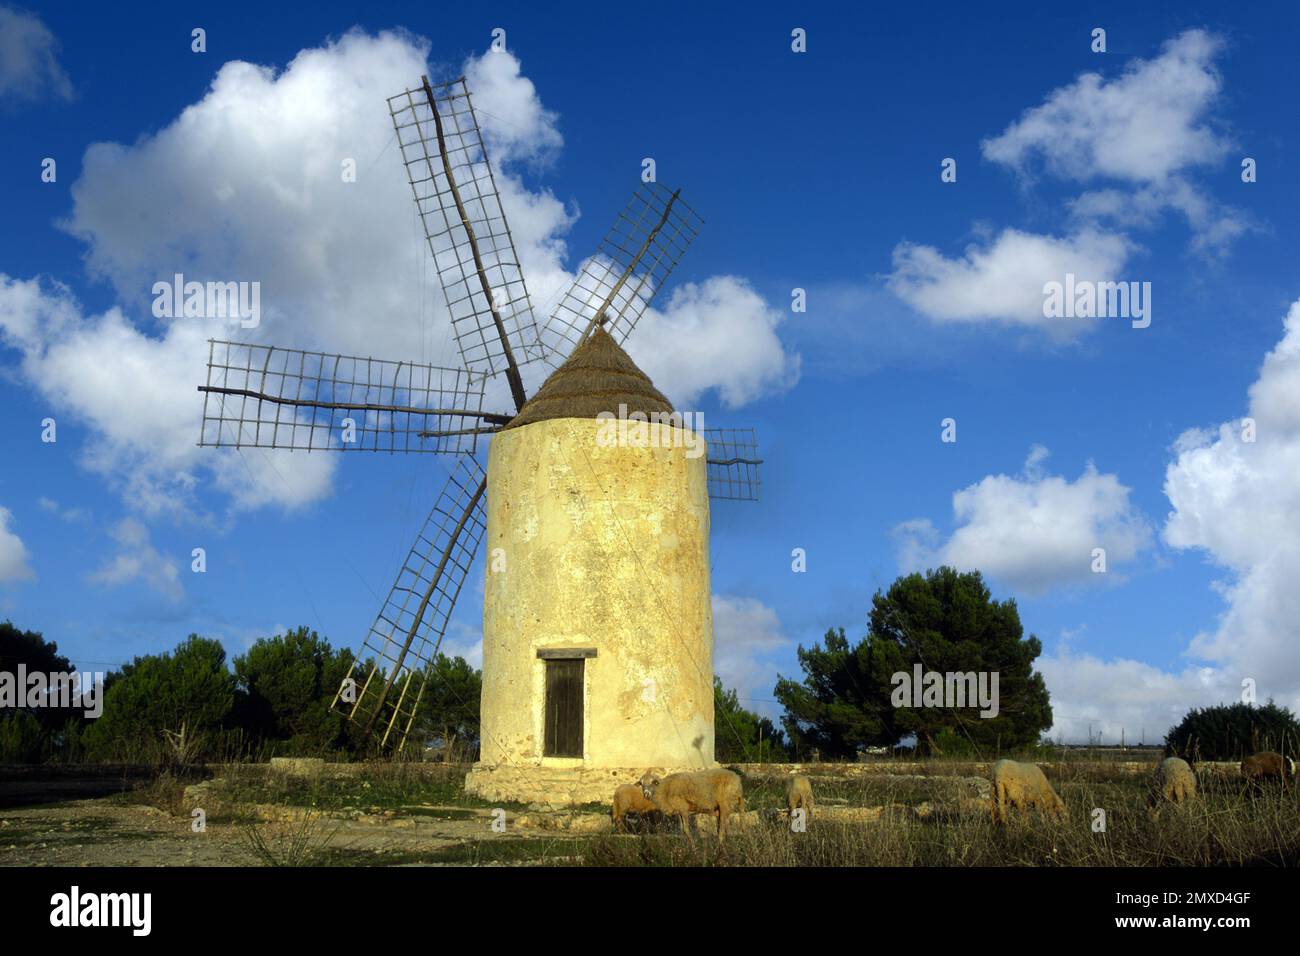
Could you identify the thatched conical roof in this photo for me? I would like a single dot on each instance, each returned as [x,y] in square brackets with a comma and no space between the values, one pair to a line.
[598,377]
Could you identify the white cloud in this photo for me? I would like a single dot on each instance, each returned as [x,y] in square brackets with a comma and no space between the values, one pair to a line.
[13,553]
[1140,137]
[515,124]
[1143,126]
[1148,128]
[745,633]
[1239,502]
[137,559]
[1003,280]
[719,334]
[1110,698]
[245,185]
[463,640]
[64,514]
[29,66]
[138,393]
[1035,531]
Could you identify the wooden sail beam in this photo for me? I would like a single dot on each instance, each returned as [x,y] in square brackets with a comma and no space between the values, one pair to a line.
[424,606]
[601,317]
[494,418]
[512,368]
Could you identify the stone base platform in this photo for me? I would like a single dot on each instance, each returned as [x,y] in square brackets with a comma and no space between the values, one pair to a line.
[553,786]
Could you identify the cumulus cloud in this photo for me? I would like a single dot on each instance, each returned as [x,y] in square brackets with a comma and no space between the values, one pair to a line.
[1143,126]
[1110,699]
[13,553]
[1238,501]
[719,334]
[136,559]
[746,632]
[1033,531]
[29,65]
[246,185]
[1147,129]
[138,393]
[515,124]
[1003,279]
[1137,139]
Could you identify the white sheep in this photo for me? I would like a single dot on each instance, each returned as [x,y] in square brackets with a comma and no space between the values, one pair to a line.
[702,791]
[1023,785]
[1174,781]
[629,798]
[799,795]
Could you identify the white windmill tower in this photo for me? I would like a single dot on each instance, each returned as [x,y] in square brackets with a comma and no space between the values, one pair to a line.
[597,639]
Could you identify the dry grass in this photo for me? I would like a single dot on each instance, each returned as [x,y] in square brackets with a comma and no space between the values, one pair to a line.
[166,792]
[932,816]
[305,843]
[1226,827]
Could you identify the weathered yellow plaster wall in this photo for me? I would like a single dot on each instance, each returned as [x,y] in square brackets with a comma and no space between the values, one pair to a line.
[603,547]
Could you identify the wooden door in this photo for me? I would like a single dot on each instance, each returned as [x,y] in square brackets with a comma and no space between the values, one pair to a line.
[563,708]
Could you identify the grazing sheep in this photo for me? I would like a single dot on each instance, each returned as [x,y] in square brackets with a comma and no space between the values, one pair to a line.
[1267,765]
[1023,785]
[799,795]
[703,791]
[1174,781]
[629,798]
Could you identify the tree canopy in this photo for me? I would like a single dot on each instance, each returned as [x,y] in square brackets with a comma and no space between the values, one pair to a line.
[288,682]
[947,622]
[742,736]
[156,695]
[449,708]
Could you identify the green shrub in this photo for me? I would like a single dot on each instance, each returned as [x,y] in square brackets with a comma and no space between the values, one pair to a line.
[1234,731]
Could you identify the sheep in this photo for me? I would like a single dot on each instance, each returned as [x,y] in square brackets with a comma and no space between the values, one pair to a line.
[702,791]
[1174,781]
[629,798]
[799,795]
[1023,785]
[1267,765]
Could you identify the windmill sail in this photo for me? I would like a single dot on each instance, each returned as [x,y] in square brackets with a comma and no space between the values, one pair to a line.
[733,463]
[465,226]
[261,396]
[390,672]
[630,266]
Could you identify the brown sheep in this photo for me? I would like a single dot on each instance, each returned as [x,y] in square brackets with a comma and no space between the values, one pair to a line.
[1174,781]
[799,795]
[629,798]
[1023,785]
[1267,765]
[703,791]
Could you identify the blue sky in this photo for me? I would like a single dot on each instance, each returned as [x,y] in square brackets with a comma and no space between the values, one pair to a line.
[817,170]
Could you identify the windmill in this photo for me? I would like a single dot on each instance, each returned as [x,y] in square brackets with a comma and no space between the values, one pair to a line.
[270,397]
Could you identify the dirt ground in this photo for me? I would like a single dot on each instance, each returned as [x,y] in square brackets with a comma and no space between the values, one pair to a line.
[111,832]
